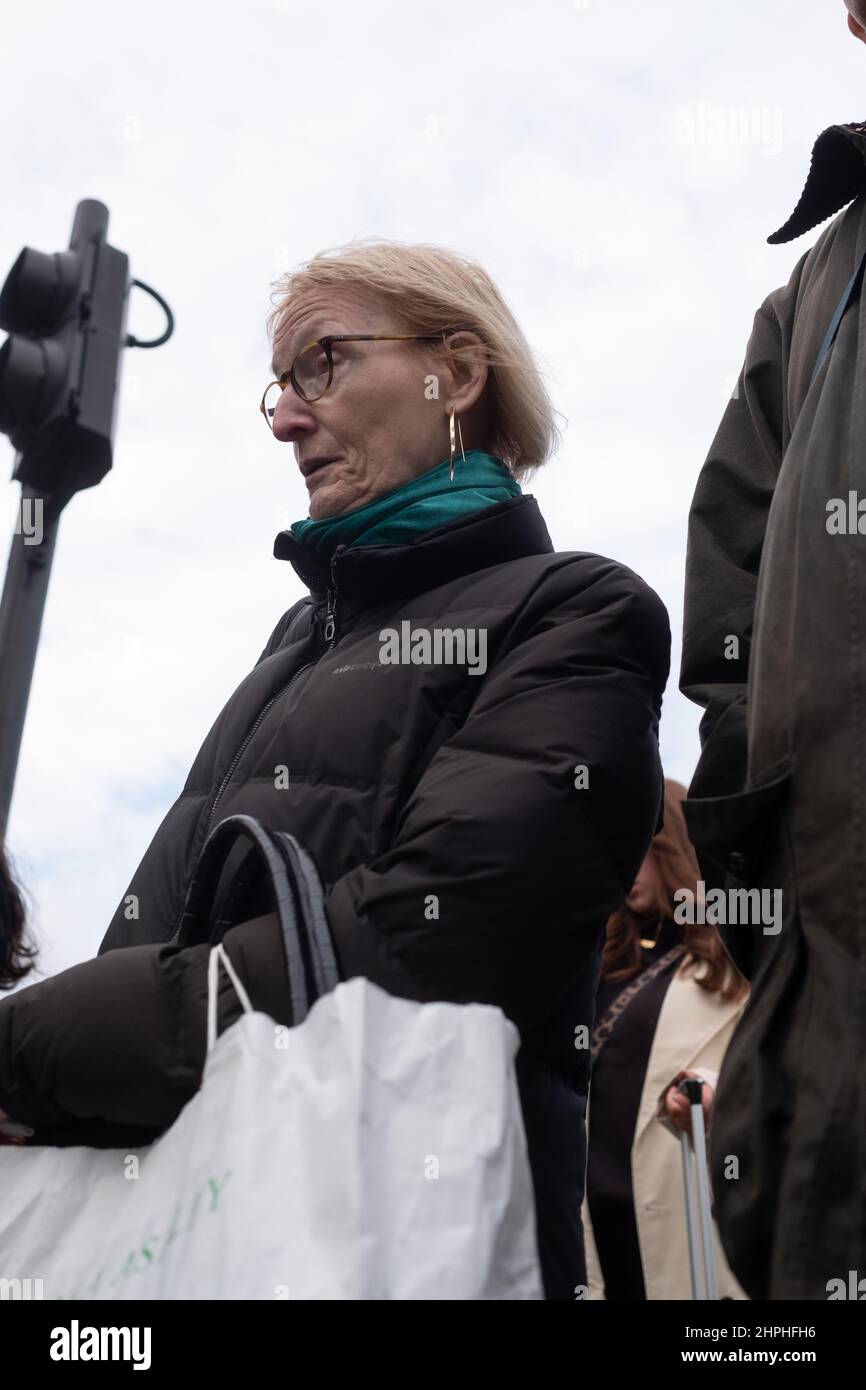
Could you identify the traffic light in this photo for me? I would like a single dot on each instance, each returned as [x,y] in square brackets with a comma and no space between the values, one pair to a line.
[60,366]
[59,370]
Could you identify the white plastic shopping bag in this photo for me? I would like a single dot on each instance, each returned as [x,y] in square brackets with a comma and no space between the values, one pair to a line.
[376,1150]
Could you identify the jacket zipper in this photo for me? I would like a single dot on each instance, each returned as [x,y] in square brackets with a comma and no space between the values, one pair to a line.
[330,638]
[331,615]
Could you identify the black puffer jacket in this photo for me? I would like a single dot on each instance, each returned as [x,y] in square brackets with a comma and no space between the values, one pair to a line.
[404,781]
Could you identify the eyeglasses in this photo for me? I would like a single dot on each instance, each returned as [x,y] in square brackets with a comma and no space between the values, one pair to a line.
[312,371]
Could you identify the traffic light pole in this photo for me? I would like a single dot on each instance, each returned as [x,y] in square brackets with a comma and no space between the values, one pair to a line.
[59,376]
[21,609]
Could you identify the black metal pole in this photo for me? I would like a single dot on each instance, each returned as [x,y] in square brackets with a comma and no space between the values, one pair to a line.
[21,609]
[59,375]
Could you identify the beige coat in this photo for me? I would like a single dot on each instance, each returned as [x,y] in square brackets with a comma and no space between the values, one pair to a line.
[692,1033]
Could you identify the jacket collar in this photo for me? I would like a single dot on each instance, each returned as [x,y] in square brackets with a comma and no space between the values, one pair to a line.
[837,173]
[370,574]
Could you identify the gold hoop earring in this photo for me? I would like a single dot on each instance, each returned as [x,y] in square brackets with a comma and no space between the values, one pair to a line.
[462,450]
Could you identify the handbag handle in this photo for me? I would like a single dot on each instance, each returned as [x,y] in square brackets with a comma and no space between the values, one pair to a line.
[317,933]
[303,924]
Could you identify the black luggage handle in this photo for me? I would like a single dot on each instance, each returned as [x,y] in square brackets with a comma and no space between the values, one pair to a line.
[298,899]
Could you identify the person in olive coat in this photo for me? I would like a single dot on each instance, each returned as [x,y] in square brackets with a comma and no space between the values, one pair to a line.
[774,649]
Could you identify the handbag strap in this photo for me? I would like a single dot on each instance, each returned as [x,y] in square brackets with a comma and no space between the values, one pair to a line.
[848,294]
[298,901]
[605,1026]
[317,933]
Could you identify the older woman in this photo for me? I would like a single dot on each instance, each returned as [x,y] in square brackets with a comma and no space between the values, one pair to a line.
[458,722]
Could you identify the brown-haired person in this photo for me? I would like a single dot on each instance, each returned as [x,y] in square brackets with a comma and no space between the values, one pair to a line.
[668,1001]
[16,956]
[16,961]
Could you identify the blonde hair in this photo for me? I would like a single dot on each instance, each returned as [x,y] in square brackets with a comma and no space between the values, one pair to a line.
[430,289]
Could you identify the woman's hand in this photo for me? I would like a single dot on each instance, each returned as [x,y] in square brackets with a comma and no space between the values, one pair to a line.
[12,1133]
[677,1106]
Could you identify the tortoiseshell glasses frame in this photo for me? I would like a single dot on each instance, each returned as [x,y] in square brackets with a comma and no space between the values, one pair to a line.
[326,344]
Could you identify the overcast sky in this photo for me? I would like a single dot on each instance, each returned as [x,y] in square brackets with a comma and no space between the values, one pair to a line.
[616,165]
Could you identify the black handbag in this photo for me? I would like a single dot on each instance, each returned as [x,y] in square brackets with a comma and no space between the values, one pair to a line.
[298,898]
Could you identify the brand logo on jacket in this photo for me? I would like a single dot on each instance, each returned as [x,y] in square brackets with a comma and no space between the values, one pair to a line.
[434,646]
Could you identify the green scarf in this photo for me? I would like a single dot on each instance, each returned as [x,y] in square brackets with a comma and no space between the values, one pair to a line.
[424,503]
